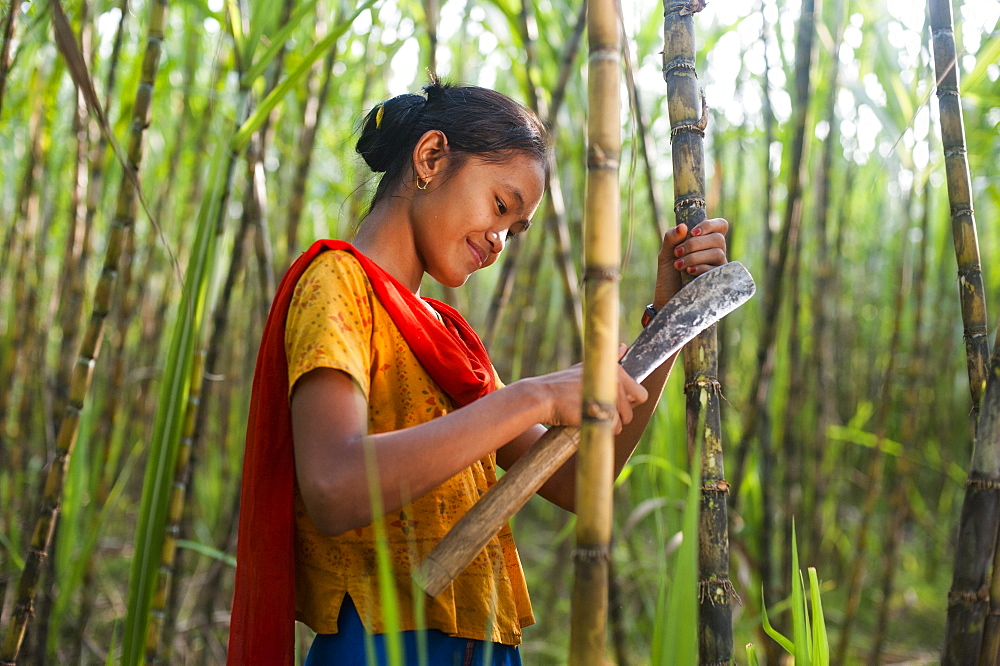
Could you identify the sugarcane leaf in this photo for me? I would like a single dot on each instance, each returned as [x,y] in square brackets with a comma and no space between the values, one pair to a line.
[989,54]
[267,105]
[780,638]
[208,551]
[800,629]
[277,42]
[235,24]
[681,636]
[169,419]
[820,640]
[752,655]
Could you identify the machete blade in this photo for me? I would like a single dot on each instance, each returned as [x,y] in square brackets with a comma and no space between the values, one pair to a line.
[701,303]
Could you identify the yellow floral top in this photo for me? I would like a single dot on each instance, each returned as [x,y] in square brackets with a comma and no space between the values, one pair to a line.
[336,321]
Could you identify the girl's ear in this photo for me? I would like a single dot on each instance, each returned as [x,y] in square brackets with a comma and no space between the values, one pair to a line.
[430,155]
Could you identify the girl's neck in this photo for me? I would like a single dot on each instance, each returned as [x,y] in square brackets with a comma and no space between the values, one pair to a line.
[386,238]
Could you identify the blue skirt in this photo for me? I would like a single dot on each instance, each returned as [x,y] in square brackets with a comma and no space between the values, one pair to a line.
[347,647]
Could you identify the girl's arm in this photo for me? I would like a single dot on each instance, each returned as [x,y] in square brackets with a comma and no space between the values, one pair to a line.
[329,422]
[705,250]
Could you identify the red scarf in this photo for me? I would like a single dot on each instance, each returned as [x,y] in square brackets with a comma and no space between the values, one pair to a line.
[263,619]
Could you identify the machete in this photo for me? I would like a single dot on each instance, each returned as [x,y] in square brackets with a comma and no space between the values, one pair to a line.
[701,303]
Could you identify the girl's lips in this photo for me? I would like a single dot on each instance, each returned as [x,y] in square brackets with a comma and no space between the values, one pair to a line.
[477,252]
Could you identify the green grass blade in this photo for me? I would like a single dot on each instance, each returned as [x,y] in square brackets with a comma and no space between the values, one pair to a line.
[820,641]
[277,42]
[752,655]
[780,638]
[169,420]
[267,105]
[682,607]
[800,629]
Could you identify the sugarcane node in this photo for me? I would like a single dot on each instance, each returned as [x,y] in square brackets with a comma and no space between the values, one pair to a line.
[721,587]
[693,7]
[594,273]
[956,151]
[960,597]
[679,63]
[26,609]
[609,54]
[592,554]
[720,486]
[709,384]
[688,202]
[694,128]
[980,483]
[958,212]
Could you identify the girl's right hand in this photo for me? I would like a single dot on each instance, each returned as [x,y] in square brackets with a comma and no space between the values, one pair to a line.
[561,393]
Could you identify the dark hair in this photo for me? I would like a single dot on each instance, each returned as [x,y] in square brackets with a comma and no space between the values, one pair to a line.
[477,121]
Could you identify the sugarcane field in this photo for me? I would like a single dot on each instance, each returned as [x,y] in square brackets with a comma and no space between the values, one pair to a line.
[286,379]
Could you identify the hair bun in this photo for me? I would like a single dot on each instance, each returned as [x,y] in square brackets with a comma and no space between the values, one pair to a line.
[386,128]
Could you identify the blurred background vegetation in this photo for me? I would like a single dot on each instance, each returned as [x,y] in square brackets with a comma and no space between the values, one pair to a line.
[858,428]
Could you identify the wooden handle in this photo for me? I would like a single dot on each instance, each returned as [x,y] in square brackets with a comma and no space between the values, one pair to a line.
[487,516]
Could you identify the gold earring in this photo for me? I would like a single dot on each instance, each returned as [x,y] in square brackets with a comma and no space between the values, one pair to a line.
[422,184]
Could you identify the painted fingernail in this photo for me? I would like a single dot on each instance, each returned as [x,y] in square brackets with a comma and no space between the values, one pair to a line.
[678,251]
[679,264]
[696,232]
[691,270]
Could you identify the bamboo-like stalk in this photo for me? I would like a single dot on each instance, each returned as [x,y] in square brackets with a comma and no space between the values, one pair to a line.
[968,598]
[313,111]
[688,118]
[899,506]
[963,221]
[432,13]
[644,144]
[791,220]
[125,212]
[823,362]
[555,207]
[877,470]
[73,267]
[7,36]
[157,615]
[602,241]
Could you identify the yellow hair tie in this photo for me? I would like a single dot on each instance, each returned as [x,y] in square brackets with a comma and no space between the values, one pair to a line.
[378,117]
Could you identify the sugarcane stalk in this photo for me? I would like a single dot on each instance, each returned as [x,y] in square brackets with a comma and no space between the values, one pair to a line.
[688,118]
[313,111]
[899,507]
[602,224]
[968,598]
[963,221]
[124,219]
[7,30]
[876,473]
[175,512]
[555,207]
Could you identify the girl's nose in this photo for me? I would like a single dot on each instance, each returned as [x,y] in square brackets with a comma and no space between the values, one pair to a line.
[496,241]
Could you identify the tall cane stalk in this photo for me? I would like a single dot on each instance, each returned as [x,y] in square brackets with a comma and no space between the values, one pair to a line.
[688,117]
[963,221]
[968,598]
[124,219]
[602,243]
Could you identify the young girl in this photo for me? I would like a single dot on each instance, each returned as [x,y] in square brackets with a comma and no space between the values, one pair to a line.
[362,384]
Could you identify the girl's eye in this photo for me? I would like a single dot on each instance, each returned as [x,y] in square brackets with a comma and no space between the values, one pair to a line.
[501,207]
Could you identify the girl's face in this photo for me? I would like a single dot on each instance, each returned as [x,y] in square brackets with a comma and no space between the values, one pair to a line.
[470,211]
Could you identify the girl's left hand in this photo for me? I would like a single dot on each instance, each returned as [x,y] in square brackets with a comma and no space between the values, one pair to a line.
[703,251]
